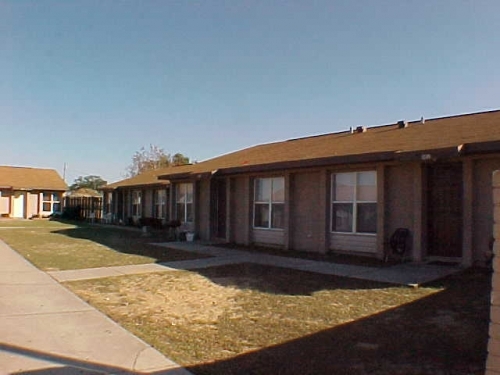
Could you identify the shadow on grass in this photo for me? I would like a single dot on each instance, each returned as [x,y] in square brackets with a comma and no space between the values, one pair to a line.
[129,241]
[279,280]
[445,333]
[330,257]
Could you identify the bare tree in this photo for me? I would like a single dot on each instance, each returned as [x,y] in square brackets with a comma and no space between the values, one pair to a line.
[153,158]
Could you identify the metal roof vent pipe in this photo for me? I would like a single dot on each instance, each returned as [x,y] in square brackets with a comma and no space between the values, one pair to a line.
[402,124]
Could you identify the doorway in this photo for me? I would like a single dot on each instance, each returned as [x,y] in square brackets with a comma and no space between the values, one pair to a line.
[445,210]
[18,202]
[219,204]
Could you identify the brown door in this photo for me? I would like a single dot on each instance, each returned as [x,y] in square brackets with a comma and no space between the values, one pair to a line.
[308,216]
[445,196]
[219,204]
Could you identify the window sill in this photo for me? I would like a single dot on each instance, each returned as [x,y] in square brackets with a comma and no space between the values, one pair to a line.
[269,229]
[355,234]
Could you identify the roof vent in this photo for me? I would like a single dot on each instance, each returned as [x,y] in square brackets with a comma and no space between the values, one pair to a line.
[360,129]
[402,124]
[422,120]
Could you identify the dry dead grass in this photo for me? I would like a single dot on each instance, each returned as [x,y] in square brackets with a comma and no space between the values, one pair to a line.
[224,312]
[57,246]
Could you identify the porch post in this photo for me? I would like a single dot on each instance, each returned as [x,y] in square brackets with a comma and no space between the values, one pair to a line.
[39,203]
[26,205]
[248,202]
[418,209]
[380,211]
[287,222]
[229,220]
[324,196]
[467,194]
[11,204]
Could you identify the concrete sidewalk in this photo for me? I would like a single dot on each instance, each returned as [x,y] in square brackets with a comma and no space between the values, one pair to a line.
[410,274]
[402,274]
[45,329]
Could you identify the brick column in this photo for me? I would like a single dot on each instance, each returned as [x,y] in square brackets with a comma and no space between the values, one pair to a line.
[493,361]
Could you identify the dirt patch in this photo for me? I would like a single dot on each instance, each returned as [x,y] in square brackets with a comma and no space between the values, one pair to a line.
[163,298]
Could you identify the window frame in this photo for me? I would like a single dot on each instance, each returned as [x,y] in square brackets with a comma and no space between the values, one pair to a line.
[136,202]
[54,199]
[355,202]
[108,201]
[270,203]
[160,203]
[188,202]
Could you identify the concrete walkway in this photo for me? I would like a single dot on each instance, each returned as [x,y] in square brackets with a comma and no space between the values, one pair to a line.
[45,329]
[402,274]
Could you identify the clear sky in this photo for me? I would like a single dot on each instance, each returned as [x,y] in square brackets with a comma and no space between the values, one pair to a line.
[88,83]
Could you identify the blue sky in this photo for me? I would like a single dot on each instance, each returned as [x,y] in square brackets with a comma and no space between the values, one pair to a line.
[88,83]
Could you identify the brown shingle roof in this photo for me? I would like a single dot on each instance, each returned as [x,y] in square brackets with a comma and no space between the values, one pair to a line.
[23,178]
[147,178]
[376,142]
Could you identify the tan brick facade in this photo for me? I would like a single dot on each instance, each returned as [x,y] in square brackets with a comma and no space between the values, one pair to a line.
[493,361]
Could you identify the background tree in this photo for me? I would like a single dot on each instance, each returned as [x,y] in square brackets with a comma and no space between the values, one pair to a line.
[89,182]
[179,159]
[153,158]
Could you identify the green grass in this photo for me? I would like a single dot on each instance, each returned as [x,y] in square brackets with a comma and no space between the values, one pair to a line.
[37,223]
[58,246]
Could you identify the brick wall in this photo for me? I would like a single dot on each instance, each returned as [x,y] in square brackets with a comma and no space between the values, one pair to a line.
[493,361]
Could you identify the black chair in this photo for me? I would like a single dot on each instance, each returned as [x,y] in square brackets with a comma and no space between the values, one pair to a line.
[399,242]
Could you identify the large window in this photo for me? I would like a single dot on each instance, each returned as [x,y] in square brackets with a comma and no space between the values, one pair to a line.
[184,202]
[354,202]
[160,203]
[108,196]
[136,203]
[51,202]
[269,203]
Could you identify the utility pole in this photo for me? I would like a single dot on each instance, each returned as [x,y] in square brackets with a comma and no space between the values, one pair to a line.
[64,172]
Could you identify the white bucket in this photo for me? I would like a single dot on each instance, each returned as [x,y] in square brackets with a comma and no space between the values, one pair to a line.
[189,237]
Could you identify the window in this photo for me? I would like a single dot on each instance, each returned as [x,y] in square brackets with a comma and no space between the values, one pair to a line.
[51,202]
[354,202]
[184,202]
[269,203]
[109,200]
[136,203]
[160,201]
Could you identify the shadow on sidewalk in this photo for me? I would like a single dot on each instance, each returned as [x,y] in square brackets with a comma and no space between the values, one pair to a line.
[70,366]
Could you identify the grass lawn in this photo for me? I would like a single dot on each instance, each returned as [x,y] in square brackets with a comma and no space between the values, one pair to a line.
[52,245]
[252,319]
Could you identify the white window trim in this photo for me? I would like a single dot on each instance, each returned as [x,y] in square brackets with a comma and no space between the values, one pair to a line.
[160,201]
[354,202]
[269,203]
[185,204]
[108,203]
[51,201]
[137,193]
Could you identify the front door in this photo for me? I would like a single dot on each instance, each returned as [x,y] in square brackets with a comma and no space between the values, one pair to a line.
[445,200]
[306,208]
[18,211]
[219,204]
